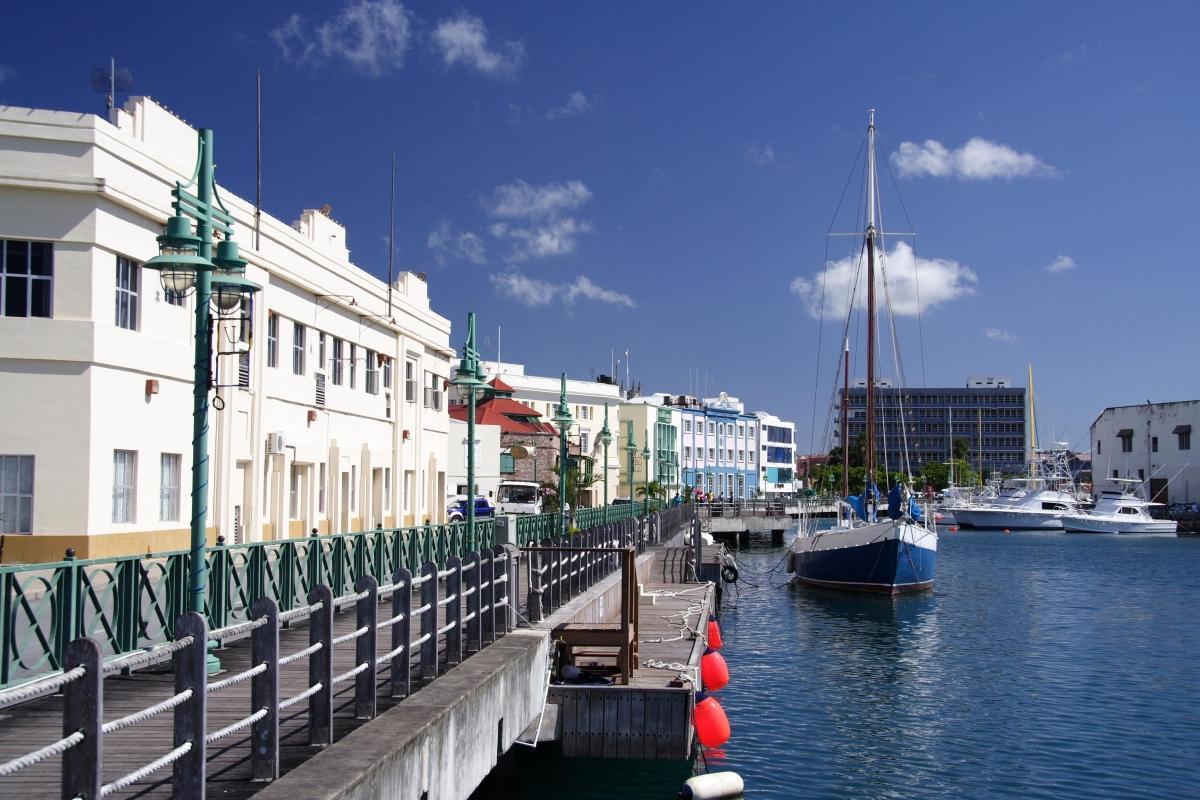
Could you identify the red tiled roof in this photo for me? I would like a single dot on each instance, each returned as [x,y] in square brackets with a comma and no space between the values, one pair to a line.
[500,386]
[500,411]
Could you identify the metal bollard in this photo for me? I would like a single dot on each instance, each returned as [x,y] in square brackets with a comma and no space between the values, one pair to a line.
[454,611]
[471,581]
[429,636]
[264,692]
[191,673]
[83,710]
[365,682]
[320,668]
[402,633]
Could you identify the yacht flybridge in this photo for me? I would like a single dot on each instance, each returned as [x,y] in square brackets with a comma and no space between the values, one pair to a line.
[1038,501]
[1120,510]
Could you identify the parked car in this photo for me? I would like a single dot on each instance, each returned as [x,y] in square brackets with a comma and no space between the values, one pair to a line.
[457,510]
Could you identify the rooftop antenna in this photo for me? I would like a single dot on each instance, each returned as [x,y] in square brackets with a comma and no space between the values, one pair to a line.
[257,159]
[110,79]
[391,232]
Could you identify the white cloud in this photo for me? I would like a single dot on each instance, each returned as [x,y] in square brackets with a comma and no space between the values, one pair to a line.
[520,200]
[576,105]
[541,228]
[446,245]
[534,292]
[977,160]
[1075,55]
[464,40]
[760,154]
[997,335]
[934,281]
[370,36]
[1061,264]
[7,73]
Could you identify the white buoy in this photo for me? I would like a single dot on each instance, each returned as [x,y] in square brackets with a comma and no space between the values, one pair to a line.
[713,786]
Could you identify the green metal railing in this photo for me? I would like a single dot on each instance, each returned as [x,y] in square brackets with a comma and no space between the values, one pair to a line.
[532,529]
[131,602]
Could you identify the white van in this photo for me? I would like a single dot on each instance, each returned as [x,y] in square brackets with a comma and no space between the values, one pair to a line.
[518,497]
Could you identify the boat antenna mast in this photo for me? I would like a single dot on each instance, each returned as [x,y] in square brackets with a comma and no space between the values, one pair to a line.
[870,236]
[845,417]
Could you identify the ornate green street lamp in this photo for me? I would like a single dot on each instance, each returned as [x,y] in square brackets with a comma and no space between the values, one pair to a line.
[185,263]
[646,464]
[562,418]
[631,450]
[469,380]
[606,438]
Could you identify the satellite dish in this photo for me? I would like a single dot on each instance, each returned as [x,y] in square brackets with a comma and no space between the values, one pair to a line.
[518,452]
[109,80]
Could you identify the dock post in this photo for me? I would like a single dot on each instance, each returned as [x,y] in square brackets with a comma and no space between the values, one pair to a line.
[83,710]
[453,611]
[320,667]
[191,672]
[402,633]
[429,634]
[777,538]
[472,572]
[264,692]
[365,646]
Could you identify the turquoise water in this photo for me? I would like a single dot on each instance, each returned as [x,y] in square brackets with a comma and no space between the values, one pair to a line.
[1043,665]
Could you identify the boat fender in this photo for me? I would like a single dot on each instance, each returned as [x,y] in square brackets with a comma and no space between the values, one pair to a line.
[730,571]
[791,561]
[713,786]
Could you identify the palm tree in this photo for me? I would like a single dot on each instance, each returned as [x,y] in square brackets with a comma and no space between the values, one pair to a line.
[658,491]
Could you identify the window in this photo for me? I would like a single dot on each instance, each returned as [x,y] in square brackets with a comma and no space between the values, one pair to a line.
[297,348]
[173,298]
[272,339]
[712,428]
[353,486]
[741,430]
[124,498]
[583,442]
[508,464]
[16,494]
[127,293]
[387,487]
[711,454]
[1185,438]
[387,372]
[336,366]
[687,454]
[1154,444]
[321,350]
[321,488]
[168,492]
[433,391]
[353,365]
[372,373]
[26,278]
[410,381]
[1126,443]
[687,426]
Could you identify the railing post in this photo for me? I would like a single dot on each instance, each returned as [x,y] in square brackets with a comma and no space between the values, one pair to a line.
[287,577]
[487,597]
[365,647]
[129,612]
[256,571]
[66,588]
[454,611]
[429,592]
[218,583]
[191,673]
[402,633]
[471,573]
[264,691]
[83,710]
[511,569]
[533,600]
[320,668]
[697,548]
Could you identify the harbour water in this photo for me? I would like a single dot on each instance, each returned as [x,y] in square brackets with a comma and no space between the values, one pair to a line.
[1043,665]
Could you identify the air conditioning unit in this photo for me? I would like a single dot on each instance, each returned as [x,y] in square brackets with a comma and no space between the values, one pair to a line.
[275,443]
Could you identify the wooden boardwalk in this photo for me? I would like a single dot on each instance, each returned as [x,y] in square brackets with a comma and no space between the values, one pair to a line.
[31,725]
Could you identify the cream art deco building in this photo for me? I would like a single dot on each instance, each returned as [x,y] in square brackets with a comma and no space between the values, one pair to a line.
[329,413]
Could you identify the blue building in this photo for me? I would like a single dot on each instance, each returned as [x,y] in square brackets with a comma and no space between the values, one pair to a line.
[719,445]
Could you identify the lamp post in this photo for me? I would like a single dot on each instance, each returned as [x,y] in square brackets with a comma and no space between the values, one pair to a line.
[562,418]
[646,463]
[631,450]
[605,436]
[469,380]
[185,263]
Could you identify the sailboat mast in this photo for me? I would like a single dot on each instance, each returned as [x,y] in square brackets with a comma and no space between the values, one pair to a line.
[845,417]
[870,242]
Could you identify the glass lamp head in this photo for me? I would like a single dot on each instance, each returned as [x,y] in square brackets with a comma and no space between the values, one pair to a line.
[229,289]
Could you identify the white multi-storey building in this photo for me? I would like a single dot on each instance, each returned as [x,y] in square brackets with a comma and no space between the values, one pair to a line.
[1150,442]
[586,400]
[777,454]
[330,412]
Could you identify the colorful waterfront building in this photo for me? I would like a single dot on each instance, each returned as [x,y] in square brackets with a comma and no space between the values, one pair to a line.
[719,446]
[653,424]
[776,455]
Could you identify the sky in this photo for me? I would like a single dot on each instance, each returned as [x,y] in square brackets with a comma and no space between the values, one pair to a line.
[660,177]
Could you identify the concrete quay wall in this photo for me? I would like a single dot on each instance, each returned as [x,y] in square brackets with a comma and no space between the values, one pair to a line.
[440,743]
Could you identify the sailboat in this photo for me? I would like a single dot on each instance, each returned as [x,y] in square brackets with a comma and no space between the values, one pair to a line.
[889,550]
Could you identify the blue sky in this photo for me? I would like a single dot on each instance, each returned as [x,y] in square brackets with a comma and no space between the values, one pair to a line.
[658,176]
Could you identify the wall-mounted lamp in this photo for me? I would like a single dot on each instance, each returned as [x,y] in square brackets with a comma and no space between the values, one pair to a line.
[151,386]
[312,415]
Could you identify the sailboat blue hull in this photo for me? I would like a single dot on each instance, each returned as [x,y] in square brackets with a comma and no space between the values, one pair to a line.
[891,566]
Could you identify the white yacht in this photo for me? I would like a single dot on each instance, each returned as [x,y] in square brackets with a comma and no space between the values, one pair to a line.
[1036,502]
[1120,510]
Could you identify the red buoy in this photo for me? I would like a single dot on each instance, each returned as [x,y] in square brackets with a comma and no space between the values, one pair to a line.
[714,635]
[712,726]
[714,672]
